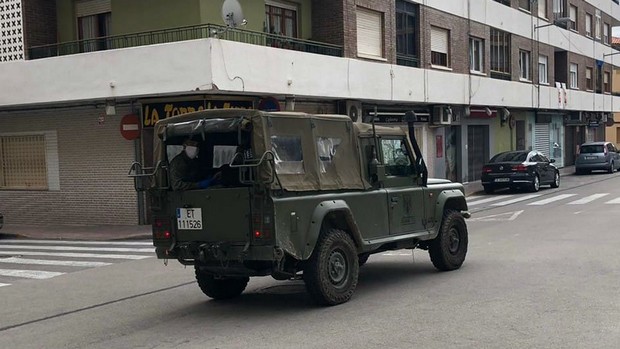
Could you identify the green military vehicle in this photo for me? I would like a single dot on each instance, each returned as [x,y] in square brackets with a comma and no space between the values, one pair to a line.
[297,195]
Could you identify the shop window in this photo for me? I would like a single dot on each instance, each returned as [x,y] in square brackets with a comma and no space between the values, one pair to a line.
[281,19]
[288,154]
[23,162]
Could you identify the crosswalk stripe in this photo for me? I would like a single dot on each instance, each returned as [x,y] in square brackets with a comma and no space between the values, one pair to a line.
[29,274]
[483,201]
[551,199]
[74,254]
[520,198]
[1,284]
[614,201]
[588,199]
[15,260]
[78,242]
[76,248]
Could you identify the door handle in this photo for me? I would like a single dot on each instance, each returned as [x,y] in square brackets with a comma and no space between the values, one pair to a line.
[394,199]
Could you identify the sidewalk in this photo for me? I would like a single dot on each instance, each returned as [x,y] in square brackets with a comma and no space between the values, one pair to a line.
[134,232]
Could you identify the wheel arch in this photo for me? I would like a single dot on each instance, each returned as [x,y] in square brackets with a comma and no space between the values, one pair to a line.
[450,200]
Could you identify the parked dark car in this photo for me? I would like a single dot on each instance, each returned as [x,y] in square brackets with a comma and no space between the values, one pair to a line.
[597,156]
[519,169]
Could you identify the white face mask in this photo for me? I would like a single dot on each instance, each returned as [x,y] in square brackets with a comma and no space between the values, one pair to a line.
[191,151]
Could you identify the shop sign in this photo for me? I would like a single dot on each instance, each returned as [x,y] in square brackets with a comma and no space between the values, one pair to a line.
[153,112]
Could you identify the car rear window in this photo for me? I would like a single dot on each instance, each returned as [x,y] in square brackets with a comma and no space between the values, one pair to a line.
[591,148]
[512,156]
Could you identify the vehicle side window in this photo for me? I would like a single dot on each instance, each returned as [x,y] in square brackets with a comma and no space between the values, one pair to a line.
[535,158]
[327,147]
[610,148]
[288,154]
[544,158]
[396,157]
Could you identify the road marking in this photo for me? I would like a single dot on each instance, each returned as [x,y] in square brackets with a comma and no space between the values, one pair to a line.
[78,242]
[518,199]
[73,254]
[551,199]
[29,274]
[2,285]
[588,199]
[494,198]
[16,260]
[76,248]
[507,216]
[614,201]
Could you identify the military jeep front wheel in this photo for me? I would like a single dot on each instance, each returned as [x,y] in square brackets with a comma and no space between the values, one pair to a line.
[448,249]
[332,271]
[220,288]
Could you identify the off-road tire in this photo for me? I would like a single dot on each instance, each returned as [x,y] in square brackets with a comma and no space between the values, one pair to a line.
[449,248]
[488,189]
[535,186]
[332,271]
[220,288]
[556,180]
[363,258]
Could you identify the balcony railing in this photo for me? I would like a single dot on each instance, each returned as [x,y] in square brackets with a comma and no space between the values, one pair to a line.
[182,34]
[407,60]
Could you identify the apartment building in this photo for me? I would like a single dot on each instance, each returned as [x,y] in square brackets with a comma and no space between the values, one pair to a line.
[483,76]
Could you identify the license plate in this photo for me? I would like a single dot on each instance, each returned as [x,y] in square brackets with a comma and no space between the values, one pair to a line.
[590,157]
[502,179]
[189,218]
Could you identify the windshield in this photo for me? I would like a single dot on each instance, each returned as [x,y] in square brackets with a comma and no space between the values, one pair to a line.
[591,148]
[515,156]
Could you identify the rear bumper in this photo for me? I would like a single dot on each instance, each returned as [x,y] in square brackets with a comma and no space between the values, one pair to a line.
[510,180]
[592,166]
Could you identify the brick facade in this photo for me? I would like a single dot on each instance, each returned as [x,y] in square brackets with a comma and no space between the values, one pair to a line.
[40,23]
[387,8]
[93,161]
[328,22]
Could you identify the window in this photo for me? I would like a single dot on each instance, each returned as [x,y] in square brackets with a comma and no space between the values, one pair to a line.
[406,34]
[288,155]
[559,8]
[588,25]
[542,8]
[573,17]
[476,55]
[281,19]
[500,54]
[597,25]
[606,80]
[525,5]
[326,148]
[543,71]
[396,157]
[23,162]
[440,41]
[606,34]
[573,75]
[93,27]
[524,65]
[369,33]
[589,82]
[505,2]
[599,79]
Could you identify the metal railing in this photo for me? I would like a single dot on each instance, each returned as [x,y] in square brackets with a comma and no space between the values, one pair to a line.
[407,60]
[183,34]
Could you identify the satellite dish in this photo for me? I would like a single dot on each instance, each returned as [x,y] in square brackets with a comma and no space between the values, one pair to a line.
[232,14]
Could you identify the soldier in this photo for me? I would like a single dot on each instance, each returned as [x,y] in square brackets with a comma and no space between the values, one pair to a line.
[185,169]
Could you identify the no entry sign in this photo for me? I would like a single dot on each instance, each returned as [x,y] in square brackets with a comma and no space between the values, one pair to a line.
[130,127]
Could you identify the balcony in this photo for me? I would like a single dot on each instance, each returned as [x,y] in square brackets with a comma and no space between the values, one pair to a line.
[183,34]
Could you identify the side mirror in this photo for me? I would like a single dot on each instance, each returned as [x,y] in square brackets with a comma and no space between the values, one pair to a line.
[552,160]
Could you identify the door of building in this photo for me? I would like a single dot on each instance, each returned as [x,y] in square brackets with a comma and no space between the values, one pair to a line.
[477,150]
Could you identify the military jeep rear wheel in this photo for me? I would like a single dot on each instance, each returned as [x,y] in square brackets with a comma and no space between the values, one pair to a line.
[448,249]
[332,270]
[220,288]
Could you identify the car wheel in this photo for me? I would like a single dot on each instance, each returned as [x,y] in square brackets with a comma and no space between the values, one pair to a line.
[488,189]
[556,180]
[611,167]
[333,269]
[220,288]
[535,186]
[448,249]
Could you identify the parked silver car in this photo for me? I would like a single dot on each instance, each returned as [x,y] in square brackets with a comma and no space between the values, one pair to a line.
[597,156]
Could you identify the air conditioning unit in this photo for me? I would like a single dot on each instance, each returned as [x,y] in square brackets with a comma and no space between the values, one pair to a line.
[442,115]
[354,110]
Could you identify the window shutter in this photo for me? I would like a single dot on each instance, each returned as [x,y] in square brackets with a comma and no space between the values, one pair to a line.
[439,40]
[573,14]
[588,74]
[92,7]
[369,33]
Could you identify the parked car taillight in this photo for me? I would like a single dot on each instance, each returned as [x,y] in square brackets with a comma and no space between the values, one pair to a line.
[487,169]
[519,168]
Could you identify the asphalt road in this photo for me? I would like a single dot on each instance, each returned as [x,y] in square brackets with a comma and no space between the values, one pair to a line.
[540,275]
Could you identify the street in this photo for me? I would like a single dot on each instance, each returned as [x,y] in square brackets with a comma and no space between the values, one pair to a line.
[541,272]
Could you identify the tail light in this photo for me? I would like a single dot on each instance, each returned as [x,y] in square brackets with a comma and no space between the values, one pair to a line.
[262,228]
[519,168]
[487,169]
[161,229]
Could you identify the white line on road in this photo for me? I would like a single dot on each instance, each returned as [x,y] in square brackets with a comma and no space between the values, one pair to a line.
[29,274]
[551,199]
[73,254]
[2,285]
[16,260]
[518,199]
[614,201]
[483,201]
[588,199]
[506,216]
[78,242]
[76,248]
